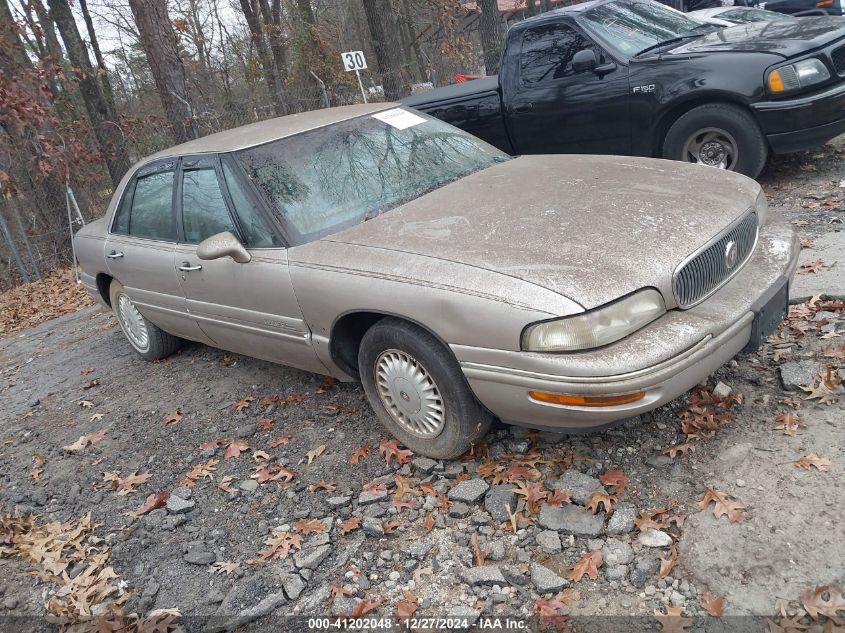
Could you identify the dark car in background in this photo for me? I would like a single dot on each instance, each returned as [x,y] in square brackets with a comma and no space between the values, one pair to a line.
[803,7]
[634,77]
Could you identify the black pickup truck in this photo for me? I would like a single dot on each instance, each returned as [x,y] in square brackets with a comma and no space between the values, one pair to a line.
[634,77]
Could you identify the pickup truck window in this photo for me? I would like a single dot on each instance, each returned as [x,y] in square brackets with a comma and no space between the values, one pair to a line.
[547,52]
[632,26]
[325,180]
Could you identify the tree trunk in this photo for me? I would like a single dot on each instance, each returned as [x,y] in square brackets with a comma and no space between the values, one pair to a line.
[100,113]
[49,29]
[253,20]
[98,56]
[306,11]
[387,43]
[160,45]
[273,25]
[491,37]
[12,52]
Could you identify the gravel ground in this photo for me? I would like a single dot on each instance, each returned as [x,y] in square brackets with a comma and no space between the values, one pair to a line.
[81,414]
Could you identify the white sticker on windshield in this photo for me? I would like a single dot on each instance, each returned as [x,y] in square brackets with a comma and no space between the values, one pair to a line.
[399,118]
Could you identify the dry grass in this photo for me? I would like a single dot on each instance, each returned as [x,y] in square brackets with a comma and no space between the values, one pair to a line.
[27,305]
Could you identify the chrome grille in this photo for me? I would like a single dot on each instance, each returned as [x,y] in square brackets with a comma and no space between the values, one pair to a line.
[705,271]
[838,59]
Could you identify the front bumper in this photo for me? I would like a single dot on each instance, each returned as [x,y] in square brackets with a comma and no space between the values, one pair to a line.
[802,123]
[664,359]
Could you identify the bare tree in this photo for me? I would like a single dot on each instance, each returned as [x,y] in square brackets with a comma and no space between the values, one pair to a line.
[387,43]
[253,20]
[491,35]
[101,112]
[160,45]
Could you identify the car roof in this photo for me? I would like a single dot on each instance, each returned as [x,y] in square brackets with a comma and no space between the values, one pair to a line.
[570,10]
[708,12]
[270,130]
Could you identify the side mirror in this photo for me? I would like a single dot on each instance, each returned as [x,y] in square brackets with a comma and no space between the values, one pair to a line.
[223,245]
[585,61]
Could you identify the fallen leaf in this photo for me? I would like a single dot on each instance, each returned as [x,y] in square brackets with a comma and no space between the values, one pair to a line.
[673,621]
[389,527]
[478,555]
[789,422]
[390,448]
[153,502]
[678,449]
[38,460]
[172,418]
[820,392]
[265,424]
[813,461]
[551,614]
[282,439]
[364,607]
[126,485]
[588,565]
[258,456]
[85,371]
[668,564]
[600,499]
[243,403]
[559,497]
[212,444]
[314,453]
[352,523]
[405,609]
[429,521]
[616,480]
[200,471]
[810,268]
[227,568]
[713,605]
[322,485]
[732,508]
[374,486]
[362,452]
[266,401]
[309,526]
[279,546]
[225,484]
[816,604]
[236,447]
[534,493]
[274,472]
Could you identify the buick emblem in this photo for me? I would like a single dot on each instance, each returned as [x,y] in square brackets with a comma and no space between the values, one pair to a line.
[731,255]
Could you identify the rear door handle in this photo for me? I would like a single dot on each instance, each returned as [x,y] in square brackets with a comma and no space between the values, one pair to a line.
[114,255]
[186,266]
[523,107]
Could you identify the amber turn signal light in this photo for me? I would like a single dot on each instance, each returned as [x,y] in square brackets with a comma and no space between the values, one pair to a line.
[586,401]
[775,82]
[824,3]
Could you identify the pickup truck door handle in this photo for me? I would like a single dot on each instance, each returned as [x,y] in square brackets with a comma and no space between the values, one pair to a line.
[186,266]
[114,255]
[523,107]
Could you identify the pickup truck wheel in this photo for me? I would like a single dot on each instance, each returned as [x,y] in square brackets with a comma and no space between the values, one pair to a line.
[150,341]
[718,135]
[418,391]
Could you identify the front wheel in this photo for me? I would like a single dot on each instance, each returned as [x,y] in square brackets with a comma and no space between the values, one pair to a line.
[718,135]
[418,390]
[146,338]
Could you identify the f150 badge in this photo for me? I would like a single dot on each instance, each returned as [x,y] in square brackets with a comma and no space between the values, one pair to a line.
[643,89]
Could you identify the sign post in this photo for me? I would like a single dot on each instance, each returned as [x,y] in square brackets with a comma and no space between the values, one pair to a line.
[354,60]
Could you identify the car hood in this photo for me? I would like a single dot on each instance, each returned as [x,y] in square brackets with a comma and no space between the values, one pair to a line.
[591,228]
[788,37]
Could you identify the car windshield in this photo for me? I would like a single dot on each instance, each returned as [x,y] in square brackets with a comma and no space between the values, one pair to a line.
[325,180]
[632,26]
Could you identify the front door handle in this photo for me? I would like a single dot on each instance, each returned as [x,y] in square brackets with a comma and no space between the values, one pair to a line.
[186,266]
[114,255]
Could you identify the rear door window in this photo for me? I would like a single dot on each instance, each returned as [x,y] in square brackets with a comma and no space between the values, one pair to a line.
[547,52]
[151,214]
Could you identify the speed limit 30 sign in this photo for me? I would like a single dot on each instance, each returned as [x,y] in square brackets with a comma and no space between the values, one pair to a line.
[354,60]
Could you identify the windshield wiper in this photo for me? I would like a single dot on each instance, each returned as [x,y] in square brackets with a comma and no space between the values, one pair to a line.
[673,40]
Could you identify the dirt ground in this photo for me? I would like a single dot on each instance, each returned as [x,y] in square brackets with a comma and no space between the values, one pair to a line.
[237,546]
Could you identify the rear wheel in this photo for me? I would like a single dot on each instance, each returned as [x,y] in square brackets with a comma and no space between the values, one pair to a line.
[150,341]
[418,391]
[718,135]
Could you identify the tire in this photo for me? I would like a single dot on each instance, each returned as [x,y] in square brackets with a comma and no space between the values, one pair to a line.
[400,361]
[157,343]
[715,127]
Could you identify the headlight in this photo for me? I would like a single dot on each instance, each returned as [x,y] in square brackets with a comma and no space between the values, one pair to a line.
[796,76]
[596,328]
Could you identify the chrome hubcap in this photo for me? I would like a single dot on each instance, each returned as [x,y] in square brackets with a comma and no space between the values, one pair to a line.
[712,147]
[409,394]
[132,323]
